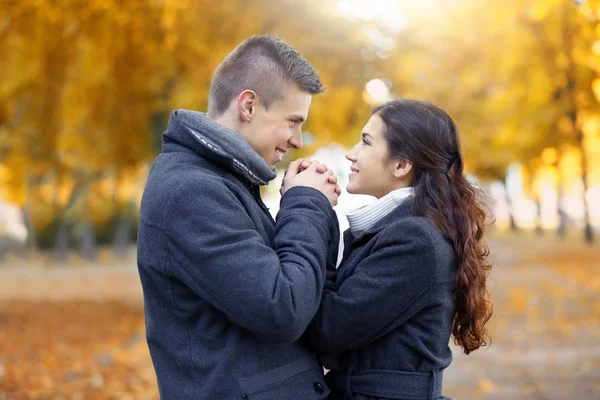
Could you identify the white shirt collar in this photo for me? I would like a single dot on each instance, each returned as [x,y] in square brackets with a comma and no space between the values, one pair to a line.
[365,217]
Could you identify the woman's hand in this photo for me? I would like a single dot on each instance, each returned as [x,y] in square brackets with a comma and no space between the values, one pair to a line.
[304,172]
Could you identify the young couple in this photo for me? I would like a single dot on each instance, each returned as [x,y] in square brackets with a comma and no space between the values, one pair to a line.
[241,306]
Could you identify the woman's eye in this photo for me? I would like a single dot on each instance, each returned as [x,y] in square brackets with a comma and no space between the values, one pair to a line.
[364,142]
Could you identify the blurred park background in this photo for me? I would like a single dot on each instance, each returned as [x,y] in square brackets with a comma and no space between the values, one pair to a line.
[86,89]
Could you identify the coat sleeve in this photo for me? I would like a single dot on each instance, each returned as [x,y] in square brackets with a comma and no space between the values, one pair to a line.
[216,250]
[387,287]
[332,255]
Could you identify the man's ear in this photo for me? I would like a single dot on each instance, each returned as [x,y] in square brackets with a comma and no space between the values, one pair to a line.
[402,168]
[247,102]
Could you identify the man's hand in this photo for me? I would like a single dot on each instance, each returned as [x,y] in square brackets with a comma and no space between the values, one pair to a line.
[312,174]
[304,164]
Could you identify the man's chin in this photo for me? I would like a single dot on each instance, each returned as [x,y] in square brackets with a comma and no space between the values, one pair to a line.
[271,163]
[275,161]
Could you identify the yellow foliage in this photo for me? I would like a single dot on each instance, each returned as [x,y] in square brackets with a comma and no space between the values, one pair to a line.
[550,155]
[88,85]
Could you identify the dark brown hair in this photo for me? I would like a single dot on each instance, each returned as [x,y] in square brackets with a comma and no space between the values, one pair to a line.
[264,64]
[426,136]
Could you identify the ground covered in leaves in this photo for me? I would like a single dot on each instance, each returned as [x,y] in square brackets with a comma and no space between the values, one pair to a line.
[77,332]
[82,349]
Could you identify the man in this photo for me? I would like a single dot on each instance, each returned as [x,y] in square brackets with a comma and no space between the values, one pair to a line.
[228,291]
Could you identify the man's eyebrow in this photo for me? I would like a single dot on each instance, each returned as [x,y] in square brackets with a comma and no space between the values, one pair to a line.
[297,118]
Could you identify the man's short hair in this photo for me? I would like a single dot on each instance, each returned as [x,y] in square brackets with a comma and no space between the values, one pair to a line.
[264,64]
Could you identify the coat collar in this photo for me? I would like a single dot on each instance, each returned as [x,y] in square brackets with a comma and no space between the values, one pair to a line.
[197,133]
[404,210]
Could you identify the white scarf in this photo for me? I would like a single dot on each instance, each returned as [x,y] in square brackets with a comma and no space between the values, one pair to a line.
[365,217]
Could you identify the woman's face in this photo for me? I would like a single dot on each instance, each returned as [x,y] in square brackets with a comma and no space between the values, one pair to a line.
[371,172]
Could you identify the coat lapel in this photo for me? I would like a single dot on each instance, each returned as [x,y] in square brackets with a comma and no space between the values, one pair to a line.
[402,211]
[351,243]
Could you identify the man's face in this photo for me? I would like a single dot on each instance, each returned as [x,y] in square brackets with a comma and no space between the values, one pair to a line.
[272,132]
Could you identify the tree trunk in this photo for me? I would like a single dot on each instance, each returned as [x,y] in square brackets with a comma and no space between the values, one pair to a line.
[538,221]
[572,87]
[511,212]
[28,219]
[88,242]
[588,230]
[561,231]
[3,247]
[61,243]
[123,232]
[31,242]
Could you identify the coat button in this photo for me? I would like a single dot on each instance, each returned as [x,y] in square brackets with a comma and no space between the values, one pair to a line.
[318,387]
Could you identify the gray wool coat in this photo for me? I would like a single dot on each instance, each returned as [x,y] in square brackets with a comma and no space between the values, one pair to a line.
[228,291]
[384,323]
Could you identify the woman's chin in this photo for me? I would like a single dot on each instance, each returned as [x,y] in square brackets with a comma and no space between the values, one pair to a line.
[352,190]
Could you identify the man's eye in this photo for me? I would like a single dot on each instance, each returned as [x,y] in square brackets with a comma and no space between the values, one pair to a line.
[293,123]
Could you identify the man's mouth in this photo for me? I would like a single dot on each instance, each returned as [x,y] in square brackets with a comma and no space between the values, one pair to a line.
[280,153]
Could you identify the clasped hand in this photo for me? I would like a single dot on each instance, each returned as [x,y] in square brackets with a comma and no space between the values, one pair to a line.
[304,172]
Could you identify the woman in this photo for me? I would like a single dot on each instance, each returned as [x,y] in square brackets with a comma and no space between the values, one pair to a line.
[414,267]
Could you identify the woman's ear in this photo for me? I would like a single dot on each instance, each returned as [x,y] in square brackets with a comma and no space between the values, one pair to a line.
[402,168]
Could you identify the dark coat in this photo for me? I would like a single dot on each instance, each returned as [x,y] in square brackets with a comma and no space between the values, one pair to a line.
[384,324]
[228,291]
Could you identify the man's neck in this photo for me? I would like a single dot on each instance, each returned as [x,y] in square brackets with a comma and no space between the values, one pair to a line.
[227,121]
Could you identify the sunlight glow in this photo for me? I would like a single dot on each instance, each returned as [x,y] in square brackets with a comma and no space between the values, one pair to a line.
[387,12]
[377,91]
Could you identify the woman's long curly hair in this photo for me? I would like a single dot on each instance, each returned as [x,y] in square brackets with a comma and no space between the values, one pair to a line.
[426,136]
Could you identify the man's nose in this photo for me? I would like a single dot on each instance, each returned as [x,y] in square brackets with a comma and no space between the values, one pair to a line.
[296,140]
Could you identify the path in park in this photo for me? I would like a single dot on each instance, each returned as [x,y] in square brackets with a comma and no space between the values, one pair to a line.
[78,333]
[546,326]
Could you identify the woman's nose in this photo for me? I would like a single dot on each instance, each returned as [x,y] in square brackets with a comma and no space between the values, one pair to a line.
[350,155]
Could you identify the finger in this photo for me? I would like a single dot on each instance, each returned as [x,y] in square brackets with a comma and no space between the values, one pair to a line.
[282,187]
[321,168]
[293,168]
[329,171]
[338,190]
[332,179]
[297,162]
[305,163]
[312,167]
